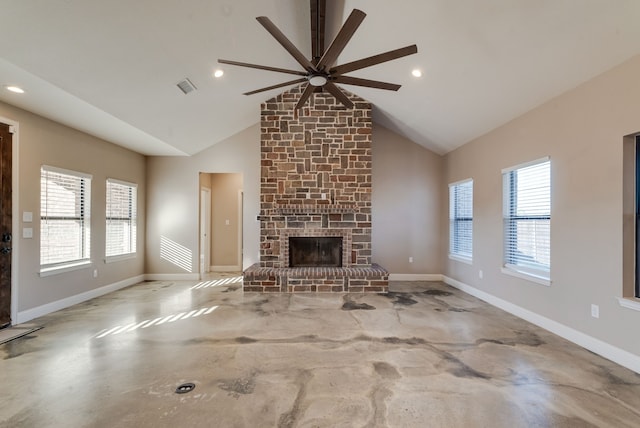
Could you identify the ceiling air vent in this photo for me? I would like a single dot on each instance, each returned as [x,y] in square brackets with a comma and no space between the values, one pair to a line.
[186,86]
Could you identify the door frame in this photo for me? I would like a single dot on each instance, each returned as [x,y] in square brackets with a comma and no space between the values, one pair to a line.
[14,127]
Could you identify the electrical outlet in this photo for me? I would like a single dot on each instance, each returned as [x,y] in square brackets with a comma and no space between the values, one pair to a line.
[480,274]
[410,259]
[595,311]
[95,273]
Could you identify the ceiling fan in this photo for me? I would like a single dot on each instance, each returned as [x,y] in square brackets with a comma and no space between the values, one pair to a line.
[320,72]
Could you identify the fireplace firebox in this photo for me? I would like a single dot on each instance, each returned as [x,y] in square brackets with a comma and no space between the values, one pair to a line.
[308,251]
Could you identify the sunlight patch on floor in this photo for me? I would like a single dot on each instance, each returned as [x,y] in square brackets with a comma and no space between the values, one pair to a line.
[217,282]
[155,322]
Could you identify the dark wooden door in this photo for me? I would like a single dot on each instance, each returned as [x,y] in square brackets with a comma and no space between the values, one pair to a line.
[5,226]
[638,216]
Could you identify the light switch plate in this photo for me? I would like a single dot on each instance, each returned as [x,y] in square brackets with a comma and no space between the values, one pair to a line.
[27,233]
[27,216]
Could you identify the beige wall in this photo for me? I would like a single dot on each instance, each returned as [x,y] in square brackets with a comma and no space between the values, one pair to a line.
[173,201]
[43,142]
[407,186]
[406,196]
[582,131]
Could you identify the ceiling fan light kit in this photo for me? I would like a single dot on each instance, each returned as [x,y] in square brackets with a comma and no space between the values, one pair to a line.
[317,79]
[320,71]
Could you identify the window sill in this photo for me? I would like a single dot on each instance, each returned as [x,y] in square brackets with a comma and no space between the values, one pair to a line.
[462,259]
[64,268]
[629,303]
[527,276]
[118,258]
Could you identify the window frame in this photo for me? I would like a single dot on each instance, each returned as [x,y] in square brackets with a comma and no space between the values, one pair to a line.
[84,206]
[541,274]
[455,219]
[132,219]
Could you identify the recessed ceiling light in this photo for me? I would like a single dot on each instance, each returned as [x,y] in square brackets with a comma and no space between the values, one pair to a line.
[416,73]
[218,73]
[15,89]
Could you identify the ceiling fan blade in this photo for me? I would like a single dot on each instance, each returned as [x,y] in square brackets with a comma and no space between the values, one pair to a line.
[318,13]
[286,43]
[344,35]
[279,85]
[305,96]
[336,92]
[373,60]
[347,80]
[262,67]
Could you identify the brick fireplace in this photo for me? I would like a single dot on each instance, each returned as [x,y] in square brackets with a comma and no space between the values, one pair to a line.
[315,181]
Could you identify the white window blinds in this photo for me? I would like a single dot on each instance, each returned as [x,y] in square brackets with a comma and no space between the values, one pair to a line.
[65,201]
[121,218]
[461,219]
[527,218]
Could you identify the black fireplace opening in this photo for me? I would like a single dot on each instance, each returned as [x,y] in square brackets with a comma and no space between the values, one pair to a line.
[309,251]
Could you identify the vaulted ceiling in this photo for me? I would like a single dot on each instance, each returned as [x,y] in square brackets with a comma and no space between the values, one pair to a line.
[110,68]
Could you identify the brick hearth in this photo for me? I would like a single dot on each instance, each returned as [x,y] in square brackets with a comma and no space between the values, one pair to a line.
[315,181]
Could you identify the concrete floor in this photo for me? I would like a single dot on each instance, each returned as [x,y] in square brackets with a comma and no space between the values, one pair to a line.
[426,355]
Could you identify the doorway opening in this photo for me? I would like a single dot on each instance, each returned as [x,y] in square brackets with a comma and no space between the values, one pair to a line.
[637,216]
[6,224]
[221,210]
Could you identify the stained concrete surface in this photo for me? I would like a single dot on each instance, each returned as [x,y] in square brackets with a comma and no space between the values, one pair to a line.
[425,355]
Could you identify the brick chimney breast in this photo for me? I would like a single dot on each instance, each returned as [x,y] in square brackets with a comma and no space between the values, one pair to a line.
[315,181]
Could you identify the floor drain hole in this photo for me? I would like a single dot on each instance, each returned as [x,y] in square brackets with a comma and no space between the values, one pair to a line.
[184,388]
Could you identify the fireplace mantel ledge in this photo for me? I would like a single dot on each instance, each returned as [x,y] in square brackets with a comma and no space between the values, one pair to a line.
[317,209]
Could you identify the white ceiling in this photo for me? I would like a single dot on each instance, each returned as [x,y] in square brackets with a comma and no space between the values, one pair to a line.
[110,68]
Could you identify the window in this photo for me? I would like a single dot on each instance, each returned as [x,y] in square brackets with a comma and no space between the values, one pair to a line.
[461,220]
[65,201]
[630,298]
[121,218]
[527,219]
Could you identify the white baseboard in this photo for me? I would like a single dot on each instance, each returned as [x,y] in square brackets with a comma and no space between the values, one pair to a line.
[172,277]
[225,268]
[47,308]
[606,350]
[415,277]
